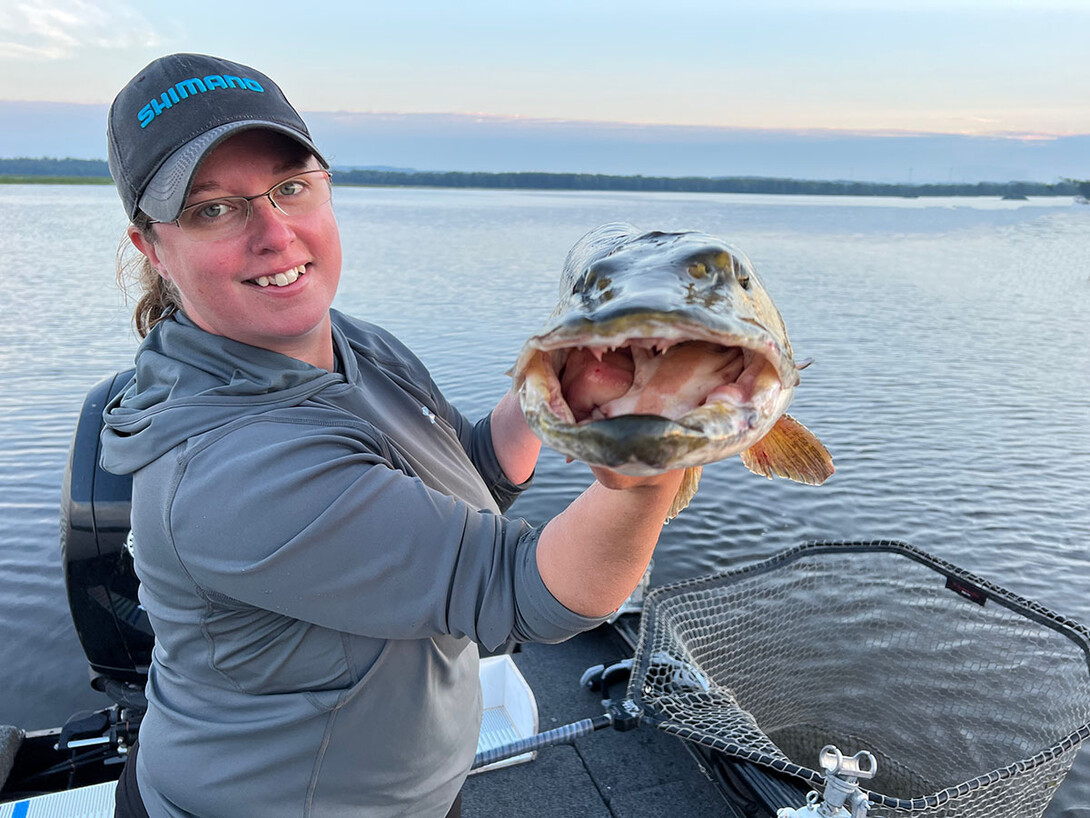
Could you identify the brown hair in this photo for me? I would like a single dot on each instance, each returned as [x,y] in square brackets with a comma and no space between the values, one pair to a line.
[156,297]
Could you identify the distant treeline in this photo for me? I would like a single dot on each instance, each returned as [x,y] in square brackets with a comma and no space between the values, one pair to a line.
[90,168]
[699,184]
[97,169]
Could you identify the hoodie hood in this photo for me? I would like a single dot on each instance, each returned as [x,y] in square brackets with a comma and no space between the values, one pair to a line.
[189,381]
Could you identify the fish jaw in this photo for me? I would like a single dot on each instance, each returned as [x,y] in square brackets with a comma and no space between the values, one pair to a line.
[643,445]
[729,420]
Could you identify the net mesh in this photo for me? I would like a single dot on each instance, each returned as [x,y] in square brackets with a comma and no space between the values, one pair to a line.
[973,701]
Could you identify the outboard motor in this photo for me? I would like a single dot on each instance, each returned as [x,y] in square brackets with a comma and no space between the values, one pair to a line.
[112,628]
[98,567]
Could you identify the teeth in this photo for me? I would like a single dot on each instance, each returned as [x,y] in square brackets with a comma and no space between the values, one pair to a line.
[281,279]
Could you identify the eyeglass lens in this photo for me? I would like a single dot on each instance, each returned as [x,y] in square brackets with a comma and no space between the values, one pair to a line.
[228,215]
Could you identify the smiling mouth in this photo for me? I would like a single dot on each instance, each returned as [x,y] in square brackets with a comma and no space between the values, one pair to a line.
[280,279]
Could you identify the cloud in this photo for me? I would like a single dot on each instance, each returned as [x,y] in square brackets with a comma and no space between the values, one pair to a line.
[60,29]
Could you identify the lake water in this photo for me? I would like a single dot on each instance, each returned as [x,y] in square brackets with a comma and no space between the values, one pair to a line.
[951,377]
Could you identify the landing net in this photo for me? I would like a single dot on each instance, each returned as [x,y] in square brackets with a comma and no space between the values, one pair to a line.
[973,701]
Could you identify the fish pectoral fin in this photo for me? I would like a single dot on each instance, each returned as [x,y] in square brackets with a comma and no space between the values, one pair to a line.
[685,492]
[792,451]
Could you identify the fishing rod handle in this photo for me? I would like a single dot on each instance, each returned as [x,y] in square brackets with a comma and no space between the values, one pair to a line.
[564,734]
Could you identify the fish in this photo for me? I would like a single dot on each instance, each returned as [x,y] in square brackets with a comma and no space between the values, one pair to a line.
[666,351]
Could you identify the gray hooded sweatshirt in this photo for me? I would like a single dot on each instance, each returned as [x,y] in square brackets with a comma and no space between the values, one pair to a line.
[318,552]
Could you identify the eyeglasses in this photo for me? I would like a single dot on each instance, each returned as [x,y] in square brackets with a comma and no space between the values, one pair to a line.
[227,216]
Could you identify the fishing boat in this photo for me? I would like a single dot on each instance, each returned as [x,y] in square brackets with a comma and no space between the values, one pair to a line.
[968,700]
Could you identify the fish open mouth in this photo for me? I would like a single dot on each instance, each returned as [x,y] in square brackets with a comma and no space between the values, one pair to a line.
[644,403]
[683,380]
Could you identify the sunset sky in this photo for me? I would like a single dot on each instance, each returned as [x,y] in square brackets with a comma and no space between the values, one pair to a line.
[1006,68]
[957,66]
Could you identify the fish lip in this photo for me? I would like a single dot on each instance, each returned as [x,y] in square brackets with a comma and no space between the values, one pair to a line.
[639,445]
[633,443]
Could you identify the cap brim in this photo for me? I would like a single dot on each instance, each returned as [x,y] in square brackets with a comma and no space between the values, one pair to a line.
[167,190]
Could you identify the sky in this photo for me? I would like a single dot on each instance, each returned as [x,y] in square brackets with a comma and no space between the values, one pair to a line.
[571,73]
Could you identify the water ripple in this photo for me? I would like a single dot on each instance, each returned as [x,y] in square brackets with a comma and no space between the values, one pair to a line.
[951,379]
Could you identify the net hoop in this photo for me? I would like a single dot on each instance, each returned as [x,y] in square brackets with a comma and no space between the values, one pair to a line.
[976,589]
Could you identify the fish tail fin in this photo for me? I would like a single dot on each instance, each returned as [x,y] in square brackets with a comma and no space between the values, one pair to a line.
[792,451]
[690,481]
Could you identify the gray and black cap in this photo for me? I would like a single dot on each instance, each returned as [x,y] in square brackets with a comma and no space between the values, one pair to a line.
[170,115]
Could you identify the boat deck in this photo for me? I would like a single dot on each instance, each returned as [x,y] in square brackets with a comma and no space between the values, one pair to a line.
[608,774]
[640,773]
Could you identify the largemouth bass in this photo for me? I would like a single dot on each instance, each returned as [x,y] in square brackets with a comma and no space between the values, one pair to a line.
[666,352]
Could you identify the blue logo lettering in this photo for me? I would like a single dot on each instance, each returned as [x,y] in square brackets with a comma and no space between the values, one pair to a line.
[158,106]
[190,88]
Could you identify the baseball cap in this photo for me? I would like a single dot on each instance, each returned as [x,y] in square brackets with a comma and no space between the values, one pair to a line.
[178,108]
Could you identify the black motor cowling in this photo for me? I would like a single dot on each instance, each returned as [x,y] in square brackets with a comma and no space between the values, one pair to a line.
[102,585]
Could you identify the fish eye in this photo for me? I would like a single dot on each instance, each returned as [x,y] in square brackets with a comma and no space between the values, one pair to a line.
[741,272]
[585,281]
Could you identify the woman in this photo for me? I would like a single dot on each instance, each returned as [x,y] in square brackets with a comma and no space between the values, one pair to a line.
[318,533]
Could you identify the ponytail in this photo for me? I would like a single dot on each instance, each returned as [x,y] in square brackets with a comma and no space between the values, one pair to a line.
[157,298]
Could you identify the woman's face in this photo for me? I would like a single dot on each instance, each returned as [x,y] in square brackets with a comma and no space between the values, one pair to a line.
[217,280]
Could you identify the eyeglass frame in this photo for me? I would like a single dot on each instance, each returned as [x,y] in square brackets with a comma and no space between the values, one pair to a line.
[249,205]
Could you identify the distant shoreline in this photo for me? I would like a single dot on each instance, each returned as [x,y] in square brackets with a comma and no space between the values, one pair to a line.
[826,189]
[95,172]
[55,180]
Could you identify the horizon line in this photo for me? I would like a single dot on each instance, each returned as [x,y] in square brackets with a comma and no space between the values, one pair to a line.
[408,172]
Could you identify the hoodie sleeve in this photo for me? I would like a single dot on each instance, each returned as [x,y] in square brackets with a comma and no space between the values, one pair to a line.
[318,524]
